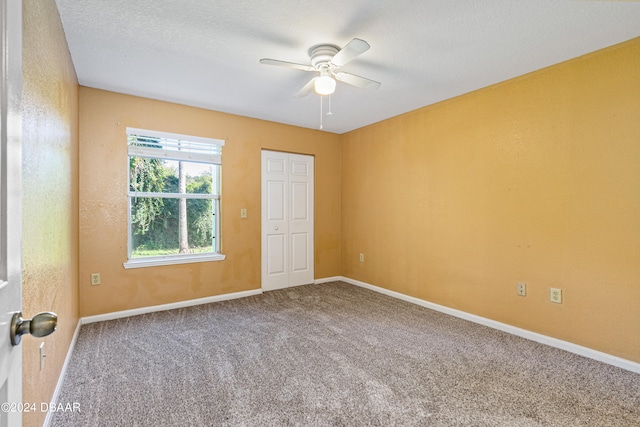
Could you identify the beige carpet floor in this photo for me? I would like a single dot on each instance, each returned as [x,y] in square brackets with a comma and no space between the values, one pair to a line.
[331,355]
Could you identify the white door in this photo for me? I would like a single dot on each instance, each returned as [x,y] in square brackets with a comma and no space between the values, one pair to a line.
[287,220]
[10,207]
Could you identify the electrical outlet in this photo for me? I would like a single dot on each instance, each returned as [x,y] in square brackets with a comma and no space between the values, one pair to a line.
[243,213]
[361,257]
[522,289]
[95,279]
[555,295]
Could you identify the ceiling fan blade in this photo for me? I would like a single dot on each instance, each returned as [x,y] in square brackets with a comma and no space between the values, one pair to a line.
[286,64]
[357,81]
[354,48]
[306,89]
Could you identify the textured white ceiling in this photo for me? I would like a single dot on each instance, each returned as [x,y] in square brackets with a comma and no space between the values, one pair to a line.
[205,53]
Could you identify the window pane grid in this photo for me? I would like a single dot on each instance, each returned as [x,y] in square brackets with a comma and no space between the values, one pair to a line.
[161,237]
[174,197]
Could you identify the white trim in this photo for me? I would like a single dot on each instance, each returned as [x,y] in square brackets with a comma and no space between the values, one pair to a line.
[63,372]
[171,260]
[163,307]
[533,336]
[329,279]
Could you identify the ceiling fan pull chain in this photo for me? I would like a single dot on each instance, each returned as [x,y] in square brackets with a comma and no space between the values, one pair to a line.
[321,111]
[329,113]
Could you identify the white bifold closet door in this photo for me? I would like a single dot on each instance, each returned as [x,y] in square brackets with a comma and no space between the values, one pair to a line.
[287,220]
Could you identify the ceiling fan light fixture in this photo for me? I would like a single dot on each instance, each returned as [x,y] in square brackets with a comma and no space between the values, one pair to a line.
[324,85]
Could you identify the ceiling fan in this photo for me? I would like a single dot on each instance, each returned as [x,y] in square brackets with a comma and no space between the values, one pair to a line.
[326,59]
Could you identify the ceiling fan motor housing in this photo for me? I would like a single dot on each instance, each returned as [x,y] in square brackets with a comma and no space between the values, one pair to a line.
[321,55]
[326,59]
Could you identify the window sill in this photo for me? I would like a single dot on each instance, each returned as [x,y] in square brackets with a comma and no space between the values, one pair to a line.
[171,260]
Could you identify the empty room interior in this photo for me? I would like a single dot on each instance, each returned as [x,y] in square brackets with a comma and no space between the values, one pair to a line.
[477,163]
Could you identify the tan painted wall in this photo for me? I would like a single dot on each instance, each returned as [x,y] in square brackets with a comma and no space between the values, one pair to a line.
[536,179]
[103,201]
[50,196]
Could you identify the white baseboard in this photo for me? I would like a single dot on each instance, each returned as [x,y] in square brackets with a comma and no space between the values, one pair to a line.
[328,279]
[170,306]
[533,336]
[63,372]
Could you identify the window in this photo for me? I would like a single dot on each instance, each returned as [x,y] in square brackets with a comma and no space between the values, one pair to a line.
[174,198]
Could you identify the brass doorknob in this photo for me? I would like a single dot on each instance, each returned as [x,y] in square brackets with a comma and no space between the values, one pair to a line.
[41,325]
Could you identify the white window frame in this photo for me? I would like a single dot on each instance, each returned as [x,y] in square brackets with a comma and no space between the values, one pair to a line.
[200,150]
